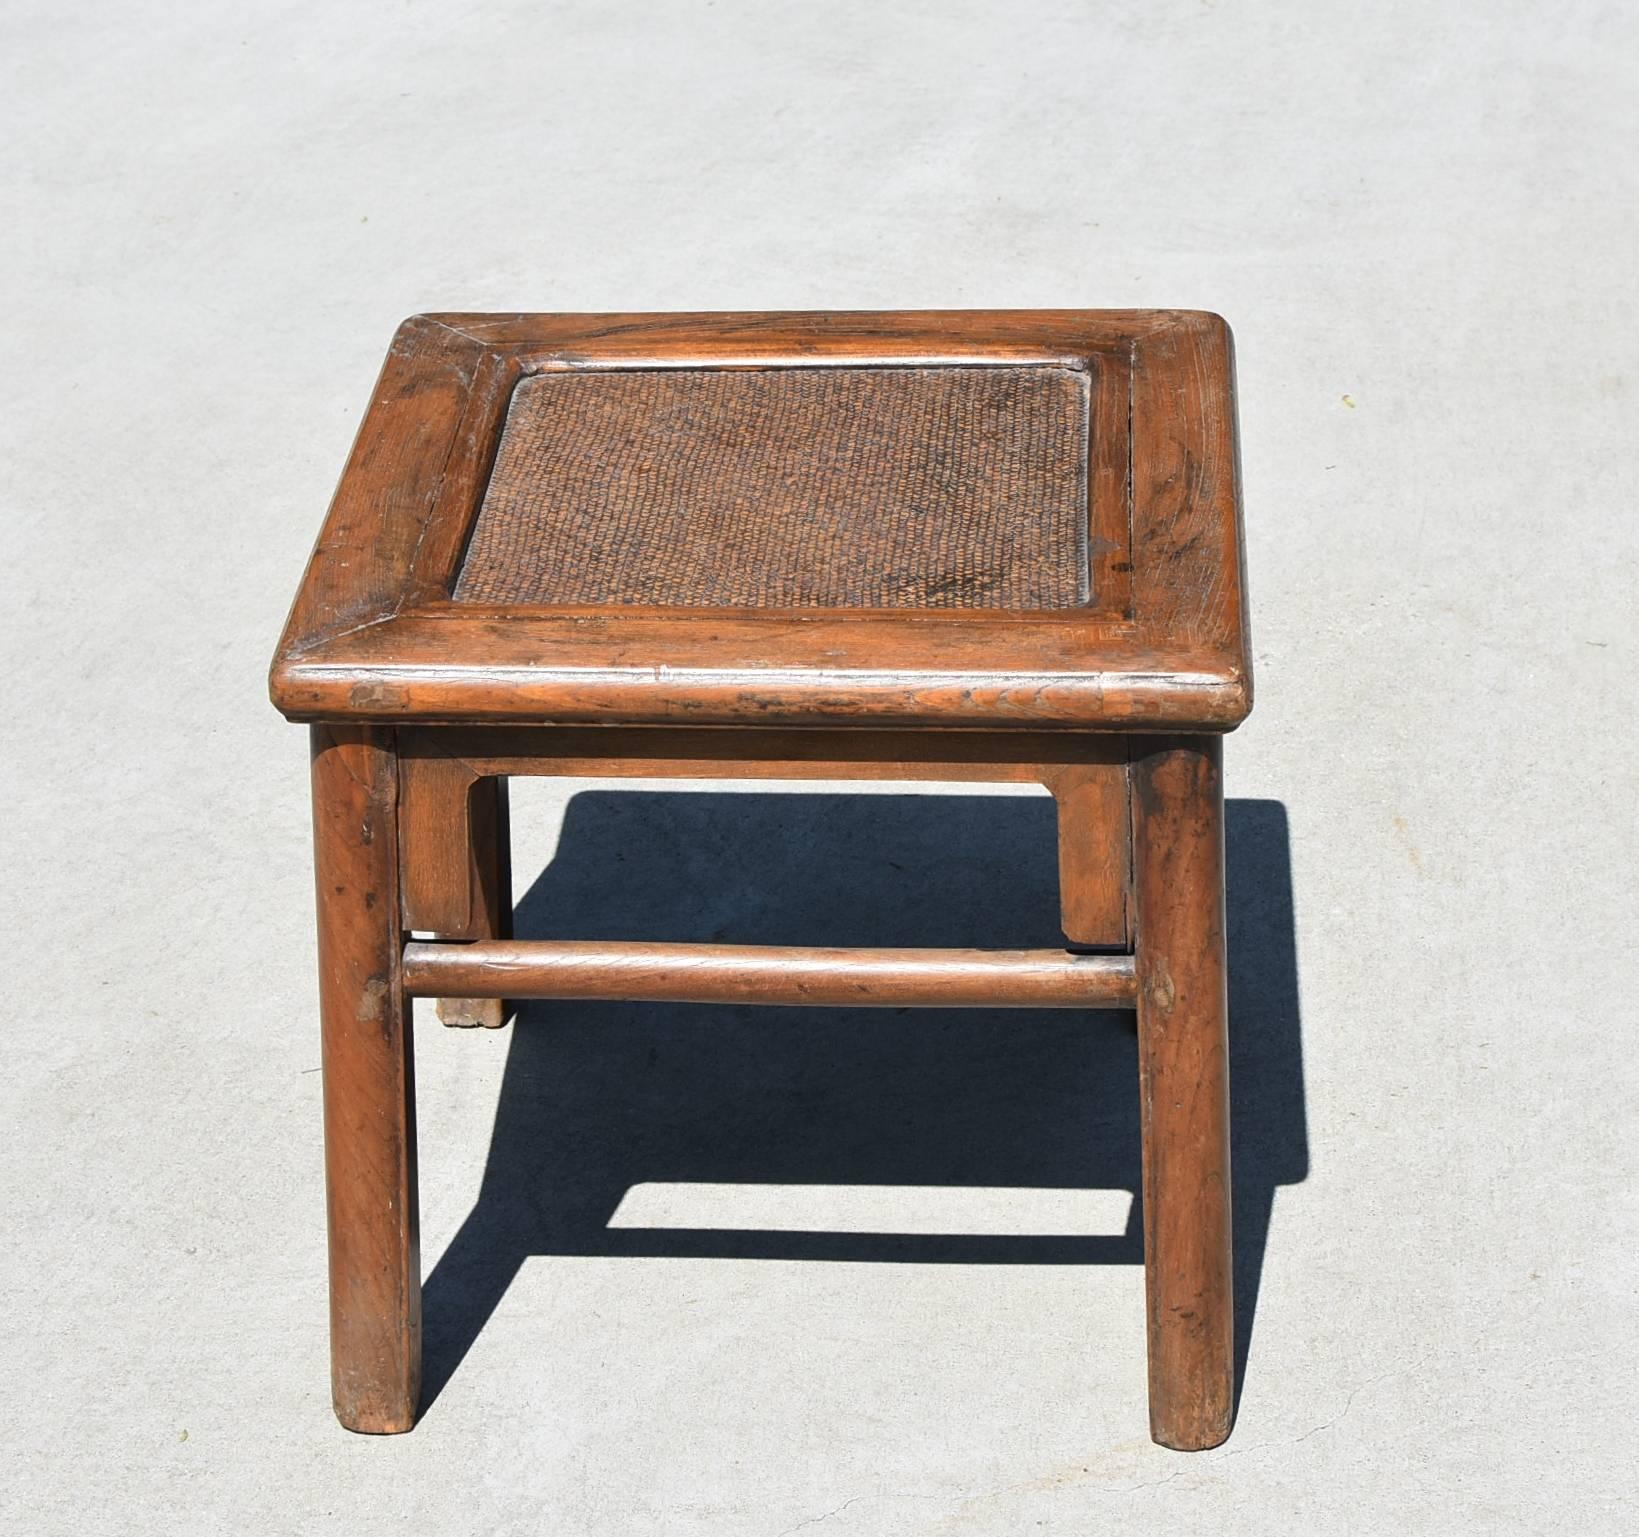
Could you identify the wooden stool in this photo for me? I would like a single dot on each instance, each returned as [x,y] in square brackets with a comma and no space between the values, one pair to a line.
[945,546]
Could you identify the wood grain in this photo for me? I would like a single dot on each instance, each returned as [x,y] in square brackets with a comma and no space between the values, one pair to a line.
[360,571]
[1188,561]
[455,863]
[1094,853]
[772,974]
[1183,1055]
[369,1084]
[1162,645]
[489,874]
[715,669]
[440,874]
[655,752]
[751,339]
[422,705]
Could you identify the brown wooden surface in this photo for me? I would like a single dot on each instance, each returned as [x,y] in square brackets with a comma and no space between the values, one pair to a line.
[361,570]
[652,752]
[489,874]
[438,550]
[455,864]
[1094,853]
[752,338]
[1162,645]
[420,695]
[441,876]
[1184,1086]
[772,974]
[369,1083]
[441,765]
[997,671]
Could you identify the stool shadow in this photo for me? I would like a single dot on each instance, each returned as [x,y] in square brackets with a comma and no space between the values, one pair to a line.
[597,1098]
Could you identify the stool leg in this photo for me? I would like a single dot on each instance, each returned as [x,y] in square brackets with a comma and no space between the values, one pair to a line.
[1178,857]
[490,855]
[369,1083]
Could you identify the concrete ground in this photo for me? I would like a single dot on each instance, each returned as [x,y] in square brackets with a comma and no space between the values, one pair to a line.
[1421,220]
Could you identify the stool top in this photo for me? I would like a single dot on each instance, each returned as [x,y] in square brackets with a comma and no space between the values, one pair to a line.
[985,518]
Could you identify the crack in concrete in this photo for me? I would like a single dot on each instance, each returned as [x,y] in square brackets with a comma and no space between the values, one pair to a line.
[837,1510]
[826,1515]
[1058,1486]
[1337,1418]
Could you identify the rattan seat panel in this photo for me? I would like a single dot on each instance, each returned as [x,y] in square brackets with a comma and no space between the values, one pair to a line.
[830,487]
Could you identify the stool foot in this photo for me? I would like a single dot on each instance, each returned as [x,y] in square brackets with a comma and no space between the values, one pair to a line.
[1184,1087]
[369,1084]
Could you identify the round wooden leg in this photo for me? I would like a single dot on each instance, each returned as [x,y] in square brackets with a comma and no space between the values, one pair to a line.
[369,1084]
[1183,1053]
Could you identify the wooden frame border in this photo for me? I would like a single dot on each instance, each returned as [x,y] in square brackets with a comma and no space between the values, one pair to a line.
[373,635]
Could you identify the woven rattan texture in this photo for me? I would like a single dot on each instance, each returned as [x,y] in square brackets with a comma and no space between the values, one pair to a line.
[897,487]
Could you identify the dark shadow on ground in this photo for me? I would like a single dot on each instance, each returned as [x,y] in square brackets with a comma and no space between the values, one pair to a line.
[597,1098]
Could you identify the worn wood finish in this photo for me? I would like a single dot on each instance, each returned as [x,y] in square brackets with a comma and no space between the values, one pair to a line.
[369,1083]
[1094,854]
[489,875]
[773,974]
[445,855]
[441,879]
[1184,1086]
[466,471]
[752,339]
[653,752]
[362,568]
[423,705]
[786,669]
[442,765]
[455,860]
[1162,645]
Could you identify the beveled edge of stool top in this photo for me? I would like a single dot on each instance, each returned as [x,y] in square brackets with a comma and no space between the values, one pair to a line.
[374,634]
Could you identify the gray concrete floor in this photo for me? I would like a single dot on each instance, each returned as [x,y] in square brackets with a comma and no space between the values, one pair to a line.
[1421,220]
